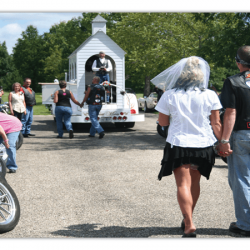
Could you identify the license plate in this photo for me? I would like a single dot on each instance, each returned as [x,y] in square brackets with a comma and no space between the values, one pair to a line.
[105,119]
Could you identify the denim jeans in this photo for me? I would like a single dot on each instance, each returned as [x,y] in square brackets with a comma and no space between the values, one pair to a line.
[11,162]
[63,114]
[27,120]
[94,111]
[239,176]
[103,77]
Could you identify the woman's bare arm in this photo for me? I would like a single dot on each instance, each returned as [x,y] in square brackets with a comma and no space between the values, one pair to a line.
[163,119]
[216,123]
[10,104]
[73,99]
[56,97]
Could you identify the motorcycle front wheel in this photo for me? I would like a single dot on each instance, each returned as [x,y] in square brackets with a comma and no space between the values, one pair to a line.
[9,207]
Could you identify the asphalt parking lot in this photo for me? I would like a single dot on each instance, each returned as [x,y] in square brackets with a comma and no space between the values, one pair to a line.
[87,187]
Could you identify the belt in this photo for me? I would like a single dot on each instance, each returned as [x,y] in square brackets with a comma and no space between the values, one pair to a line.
[96,103]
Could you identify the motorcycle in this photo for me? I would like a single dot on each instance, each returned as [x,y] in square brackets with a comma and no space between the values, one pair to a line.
[9,204]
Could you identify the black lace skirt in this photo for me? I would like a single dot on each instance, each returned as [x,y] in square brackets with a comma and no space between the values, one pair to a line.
[175,157]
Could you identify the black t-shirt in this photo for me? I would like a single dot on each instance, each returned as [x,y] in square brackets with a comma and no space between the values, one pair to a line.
[64,98]
[236,95]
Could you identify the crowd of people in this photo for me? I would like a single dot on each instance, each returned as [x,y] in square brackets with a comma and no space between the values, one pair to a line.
[190,110]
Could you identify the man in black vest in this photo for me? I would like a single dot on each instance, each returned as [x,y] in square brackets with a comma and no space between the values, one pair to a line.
[94,101]
[102,66]
[235,98]
[30,101]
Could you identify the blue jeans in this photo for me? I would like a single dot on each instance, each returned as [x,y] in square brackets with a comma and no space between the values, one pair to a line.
[94,111]
[63,113]
[103,77]
[239,176]
[11,162]
[27,120]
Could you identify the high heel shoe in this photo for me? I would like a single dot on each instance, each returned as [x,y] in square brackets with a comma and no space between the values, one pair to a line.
[183,225]
[190,235]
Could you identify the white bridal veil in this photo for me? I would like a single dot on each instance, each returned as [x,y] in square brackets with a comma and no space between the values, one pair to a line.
[188,73]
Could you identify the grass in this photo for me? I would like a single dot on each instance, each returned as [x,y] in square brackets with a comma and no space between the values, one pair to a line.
[39,108]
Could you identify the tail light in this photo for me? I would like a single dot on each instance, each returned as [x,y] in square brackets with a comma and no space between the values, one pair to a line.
[132,111]
[98,118]
[124,118]
[119,117]
[121,113]
[114,118]
[86,118]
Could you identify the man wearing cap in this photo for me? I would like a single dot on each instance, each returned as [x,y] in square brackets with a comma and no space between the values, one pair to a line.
[235,140]
[102,66]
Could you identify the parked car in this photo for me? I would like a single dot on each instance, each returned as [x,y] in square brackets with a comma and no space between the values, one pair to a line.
[148,103]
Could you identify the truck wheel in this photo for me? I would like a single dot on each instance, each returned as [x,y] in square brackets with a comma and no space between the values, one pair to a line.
[2,168]
[19,141]
[9,207]
[129,124]
[119,124]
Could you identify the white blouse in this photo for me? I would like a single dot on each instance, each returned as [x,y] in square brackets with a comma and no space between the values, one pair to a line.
[189,116]
[17,102]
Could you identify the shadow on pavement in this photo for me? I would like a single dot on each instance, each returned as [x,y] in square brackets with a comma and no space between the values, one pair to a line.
[96,231]
[123,139]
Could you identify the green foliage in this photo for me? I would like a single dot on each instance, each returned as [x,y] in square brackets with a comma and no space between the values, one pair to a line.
[8,73]
[152,42]
[28,56]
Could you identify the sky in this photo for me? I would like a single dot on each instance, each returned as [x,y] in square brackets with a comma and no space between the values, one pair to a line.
[16,15]
[12,24]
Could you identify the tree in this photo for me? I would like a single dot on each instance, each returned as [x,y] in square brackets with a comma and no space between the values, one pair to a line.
[155,41]
[28,56]
[8,73]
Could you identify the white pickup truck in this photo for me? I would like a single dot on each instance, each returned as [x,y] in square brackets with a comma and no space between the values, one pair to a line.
[110,113]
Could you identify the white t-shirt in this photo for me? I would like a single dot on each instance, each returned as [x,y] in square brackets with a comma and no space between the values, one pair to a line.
[102,60]
[189,116]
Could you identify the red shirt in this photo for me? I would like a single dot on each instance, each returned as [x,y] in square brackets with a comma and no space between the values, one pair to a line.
[28,88]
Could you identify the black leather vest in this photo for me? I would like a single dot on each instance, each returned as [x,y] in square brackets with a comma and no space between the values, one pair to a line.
[30,99]
[242,93]
[99,64]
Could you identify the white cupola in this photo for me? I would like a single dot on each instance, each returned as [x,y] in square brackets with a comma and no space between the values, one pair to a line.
[98,24]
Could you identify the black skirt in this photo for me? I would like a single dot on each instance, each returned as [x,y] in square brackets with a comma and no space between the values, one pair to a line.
[175,157]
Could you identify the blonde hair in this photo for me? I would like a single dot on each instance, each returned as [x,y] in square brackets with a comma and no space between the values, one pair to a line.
[16,83]
[191,76]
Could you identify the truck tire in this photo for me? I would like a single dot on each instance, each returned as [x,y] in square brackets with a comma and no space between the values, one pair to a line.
[2,168]
[19,141]
[129,124]
[9,207]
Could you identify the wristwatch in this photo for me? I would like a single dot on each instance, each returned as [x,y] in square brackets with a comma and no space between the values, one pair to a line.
[224,141]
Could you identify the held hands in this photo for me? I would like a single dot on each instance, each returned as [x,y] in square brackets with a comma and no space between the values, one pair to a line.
[224,150]
[81,105]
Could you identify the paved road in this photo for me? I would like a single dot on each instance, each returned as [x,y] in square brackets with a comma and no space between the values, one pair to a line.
[86,187]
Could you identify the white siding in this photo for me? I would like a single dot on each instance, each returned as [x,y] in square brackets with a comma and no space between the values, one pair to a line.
[100,42]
